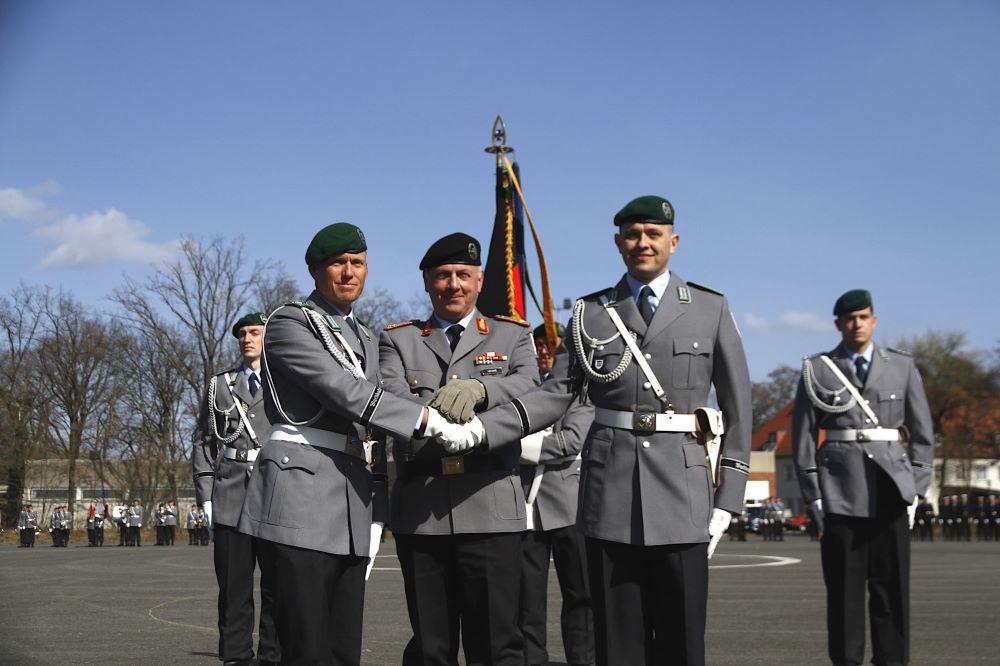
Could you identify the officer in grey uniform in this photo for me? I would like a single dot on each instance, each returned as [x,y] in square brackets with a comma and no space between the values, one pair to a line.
[653,502]
[171,522]
[318,492]
[550,476]
[863,482]
[457,519]
[135,516]
[231,428]
[192,524]
[26,523]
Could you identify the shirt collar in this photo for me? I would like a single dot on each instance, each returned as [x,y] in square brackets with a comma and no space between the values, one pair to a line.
[464,321]
[657,284]
[867,355]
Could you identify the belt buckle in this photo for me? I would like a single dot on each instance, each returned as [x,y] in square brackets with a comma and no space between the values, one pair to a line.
[452,465]
[644,422]
[241,455]
[862,436]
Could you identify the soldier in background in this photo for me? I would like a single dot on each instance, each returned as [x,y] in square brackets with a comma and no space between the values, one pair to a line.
[204,527]
[161,524]
[99,518]
[91,536]
[650,509]
[171,522]
[868,399]
[120,515]
[135,516]
[27,523]
[550,477]
[925,520]
[192,525]
[947,518]
[231,427]
[965,510]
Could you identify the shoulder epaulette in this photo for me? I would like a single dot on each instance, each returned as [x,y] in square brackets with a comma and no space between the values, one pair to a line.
[300,305]
[519,322]
[608,293]
[704,288]
[902,352]
[393,327]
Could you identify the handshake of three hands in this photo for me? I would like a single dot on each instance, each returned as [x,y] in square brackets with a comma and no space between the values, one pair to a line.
[451,415]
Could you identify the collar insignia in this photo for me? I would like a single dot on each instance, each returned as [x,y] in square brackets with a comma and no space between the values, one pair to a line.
[482,326]
[683,295]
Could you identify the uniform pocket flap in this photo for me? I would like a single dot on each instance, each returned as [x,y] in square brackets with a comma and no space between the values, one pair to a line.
[889,395]
[694,456]
[597,449]
[696,346]
[301,457]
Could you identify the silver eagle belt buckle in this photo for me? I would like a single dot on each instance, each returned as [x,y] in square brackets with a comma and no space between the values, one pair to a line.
[644,422]
[241,455]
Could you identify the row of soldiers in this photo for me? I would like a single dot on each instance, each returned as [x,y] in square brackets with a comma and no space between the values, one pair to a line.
[958,517]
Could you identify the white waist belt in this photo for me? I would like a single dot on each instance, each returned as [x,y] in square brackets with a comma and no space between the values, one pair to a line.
[241,455]
[646,421]
[321,439]
[864,435]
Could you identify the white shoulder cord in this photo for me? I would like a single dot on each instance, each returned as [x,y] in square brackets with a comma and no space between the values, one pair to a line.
[585,359]
[810,383]
[353,365]
[214,408]
[850,389]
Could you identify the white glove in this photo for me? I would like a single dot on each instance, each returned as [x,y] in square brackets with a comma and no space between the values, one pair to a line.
[816,506]
[468,437]
[717,526]
[531,446]
[911,511]
[207,507]
[376,536]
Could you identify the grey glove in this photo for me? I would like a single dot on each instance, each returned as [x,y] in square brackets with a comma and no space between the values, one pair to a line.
[458,398]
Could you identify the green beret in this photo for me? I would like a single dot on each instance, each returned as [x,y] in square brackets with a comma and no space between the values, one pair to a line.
[852,301]
[646,209]
[252,319]
[539,331]
[457,248]
[332,240]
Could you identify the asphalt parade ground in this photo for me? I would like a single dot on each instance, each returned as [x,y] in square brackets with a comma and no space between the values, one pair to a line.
[156,605]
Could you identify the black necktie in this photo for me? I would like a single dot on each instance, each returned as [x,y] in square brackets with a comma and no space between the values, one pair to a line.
[454,333]
[860,368]
[645,307]
[253,383]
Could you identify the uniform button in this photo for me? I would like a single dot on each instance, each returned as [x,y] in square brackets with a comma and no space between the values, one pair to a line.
[868,420]
[870,455]
[695,344]
[253,415]
[251,468]
[648,356]
[413,382]
[284,460]
[892,396]
[645,385]
[454,376]
[645,445]
[600,347]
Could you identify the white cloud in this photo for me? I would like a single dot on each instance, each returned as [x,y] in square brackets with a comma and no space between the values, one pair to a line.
[809,322]
[20,206]
[91,239]
[101,238]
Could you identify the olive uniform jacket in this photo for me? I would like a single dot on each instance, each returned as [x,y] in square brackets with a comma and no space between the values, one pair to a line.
[837,472]
[649,489]
[311,497]
[416,360]
[556,501]
[226,486]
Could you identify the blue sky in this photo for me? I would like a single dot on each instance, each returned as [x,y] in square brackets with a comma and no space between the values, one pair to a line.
[808,148]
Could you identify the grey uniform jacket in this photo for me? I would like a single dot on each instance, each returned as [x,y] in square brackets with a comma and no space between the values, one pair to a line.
[26,520]
[226,486]
[172,515]
[556,500]
[416,360]
[836,472]
[650,489]
[192,519]
[309,497]
[135,516]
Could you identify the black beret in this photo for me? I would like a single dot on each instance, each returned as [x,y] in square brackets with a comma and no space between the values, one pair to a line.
[539,331]
[333,239]
[252,319]
[852,301]
[649,208]
[457,248]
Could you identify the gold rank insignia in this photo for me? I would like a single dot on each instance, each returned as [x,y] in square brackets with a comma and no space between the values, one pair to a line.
[482,326]
[393,327]
[427,329]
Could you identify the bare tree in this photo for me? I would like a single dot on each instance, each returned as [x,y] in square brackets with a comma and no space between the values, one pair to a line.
[23,411]
[75,373]
[770,396]
[378,308]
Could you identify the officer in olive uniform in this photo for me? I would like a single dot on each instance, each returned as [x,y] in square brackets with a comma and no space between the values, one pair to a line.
[650,509]
[550,477]
[317,493]
[231,428]
[863,482]
[457,519]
